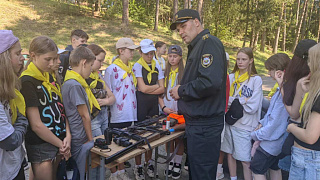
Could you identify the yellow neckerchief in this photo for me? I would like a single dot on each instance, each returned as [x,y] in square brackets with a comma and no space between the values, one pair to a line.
[95,76]
[34,72]
[146,66]
[238,80]
[70,74]
[126,68]
[17,102]
[303,102]
[172,76]
[273,90]
[55,81]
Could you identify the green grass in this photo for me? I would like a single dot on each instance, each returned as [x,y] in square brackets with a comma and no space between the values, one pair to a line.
[31,18]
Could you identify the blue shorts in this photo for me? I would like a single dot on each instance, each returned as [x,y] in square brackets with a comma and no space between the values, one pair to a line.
[305,164]
[41,152]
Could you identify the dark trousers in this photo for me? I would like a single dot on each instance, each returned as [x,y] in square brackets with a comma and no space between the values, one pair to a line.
[203,143]
[147,105]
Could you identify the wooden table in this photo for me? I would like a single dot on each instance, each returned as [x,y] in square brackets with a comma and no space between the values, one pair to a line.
[100,161]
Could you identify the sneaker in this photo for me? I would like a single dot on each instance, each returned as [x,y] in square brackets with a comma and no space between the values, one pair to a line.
[186,164]
[176,171]
[150,171]
[113,177]
[220,174]
[123,176]
[127,164]
[169,170]
[138,172]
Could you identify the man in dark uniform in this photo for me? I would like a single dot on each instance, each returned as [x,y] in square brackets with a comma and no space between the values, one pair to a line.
[201,94]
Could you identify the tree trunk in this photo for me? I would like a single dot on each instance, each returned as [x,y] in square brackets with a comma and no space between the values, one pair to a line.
[256,39]
[276,40]
[318,36]
[309,20]
[299,26]
[199,8]
[298,11]
[217,18]
[175,8]
[283,44]
[247,24]
[304,22]
[156,21]
[263,39]
[125,13]
[186,4]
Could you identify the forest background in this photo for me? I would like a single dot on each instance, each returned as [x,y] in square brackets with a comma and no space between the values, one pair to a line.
[267,26]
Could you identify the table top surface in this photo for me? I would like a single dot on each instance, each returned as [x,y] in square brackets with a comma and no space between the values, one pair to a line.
[142,149]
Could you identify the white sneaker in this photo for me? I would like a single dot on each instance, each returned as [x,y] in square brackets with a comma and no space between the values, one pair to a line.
[113,177]
[176,171]
[123,176]
[138,172]
[220,174]
[150,171]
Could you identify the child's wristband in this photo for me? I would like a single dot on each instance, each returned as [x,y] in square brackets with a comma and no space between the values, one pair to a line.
[163,108]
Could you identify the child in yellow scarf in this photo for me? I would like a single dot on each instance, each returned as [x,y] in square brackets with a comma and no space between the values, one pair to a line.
[49,128]
[150,85]
[79,103]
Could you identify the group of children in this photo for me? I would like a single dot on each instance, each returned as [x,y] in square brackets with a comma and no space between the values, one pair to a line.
[58,102]
[260,141]
[65,99]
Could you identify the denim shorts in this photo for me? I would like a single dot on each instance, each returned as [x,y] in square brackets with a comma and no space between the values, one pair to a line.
[41,152]
[100,122]
[262,161]
[305,164]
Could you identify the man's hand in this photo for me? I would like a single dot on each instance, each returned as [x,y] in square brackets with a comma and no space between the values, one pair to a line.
[174,92]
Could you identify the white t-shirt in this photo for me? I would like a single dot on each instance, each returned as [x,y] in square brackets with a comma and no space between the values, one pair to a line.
[172,104]
[10,161]
[137,69]
[161,62]
[125,107]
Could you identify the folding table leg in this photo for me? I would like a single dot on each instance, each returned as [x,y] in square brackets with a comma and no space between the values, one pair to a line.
[102,168]
[168,155]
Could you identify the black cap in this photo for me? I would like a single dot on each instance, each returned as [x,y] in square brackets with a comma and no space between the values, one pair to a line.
[303,48]
[175,49]
[183,16]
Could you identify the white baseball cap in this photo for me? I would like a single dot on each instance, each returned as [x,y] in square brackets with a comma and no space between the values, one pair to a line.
[62,51]
[147,46]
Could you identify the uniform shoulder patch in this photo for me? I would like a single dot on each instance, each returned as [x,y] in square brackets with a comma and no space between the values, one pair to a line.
[206,36]
[206,60]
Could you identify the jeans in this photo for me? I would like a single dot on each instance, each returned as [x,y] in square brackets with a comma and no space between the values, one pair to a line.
[305,164]
[100,123]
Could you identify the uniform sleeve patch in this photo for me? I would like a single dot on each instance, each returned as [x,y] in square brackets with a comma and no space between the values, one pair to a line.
[206,60]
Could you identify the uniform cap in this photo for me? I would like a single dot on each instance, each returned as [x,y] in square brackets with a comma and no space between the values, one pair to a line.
[126,43]
[7,40]
[183,16]
[175,49]
[303,48]
[147,46]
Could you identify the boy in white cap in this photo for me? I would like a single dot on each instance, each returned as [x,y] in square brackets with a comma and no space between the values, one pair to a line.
[150,84]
